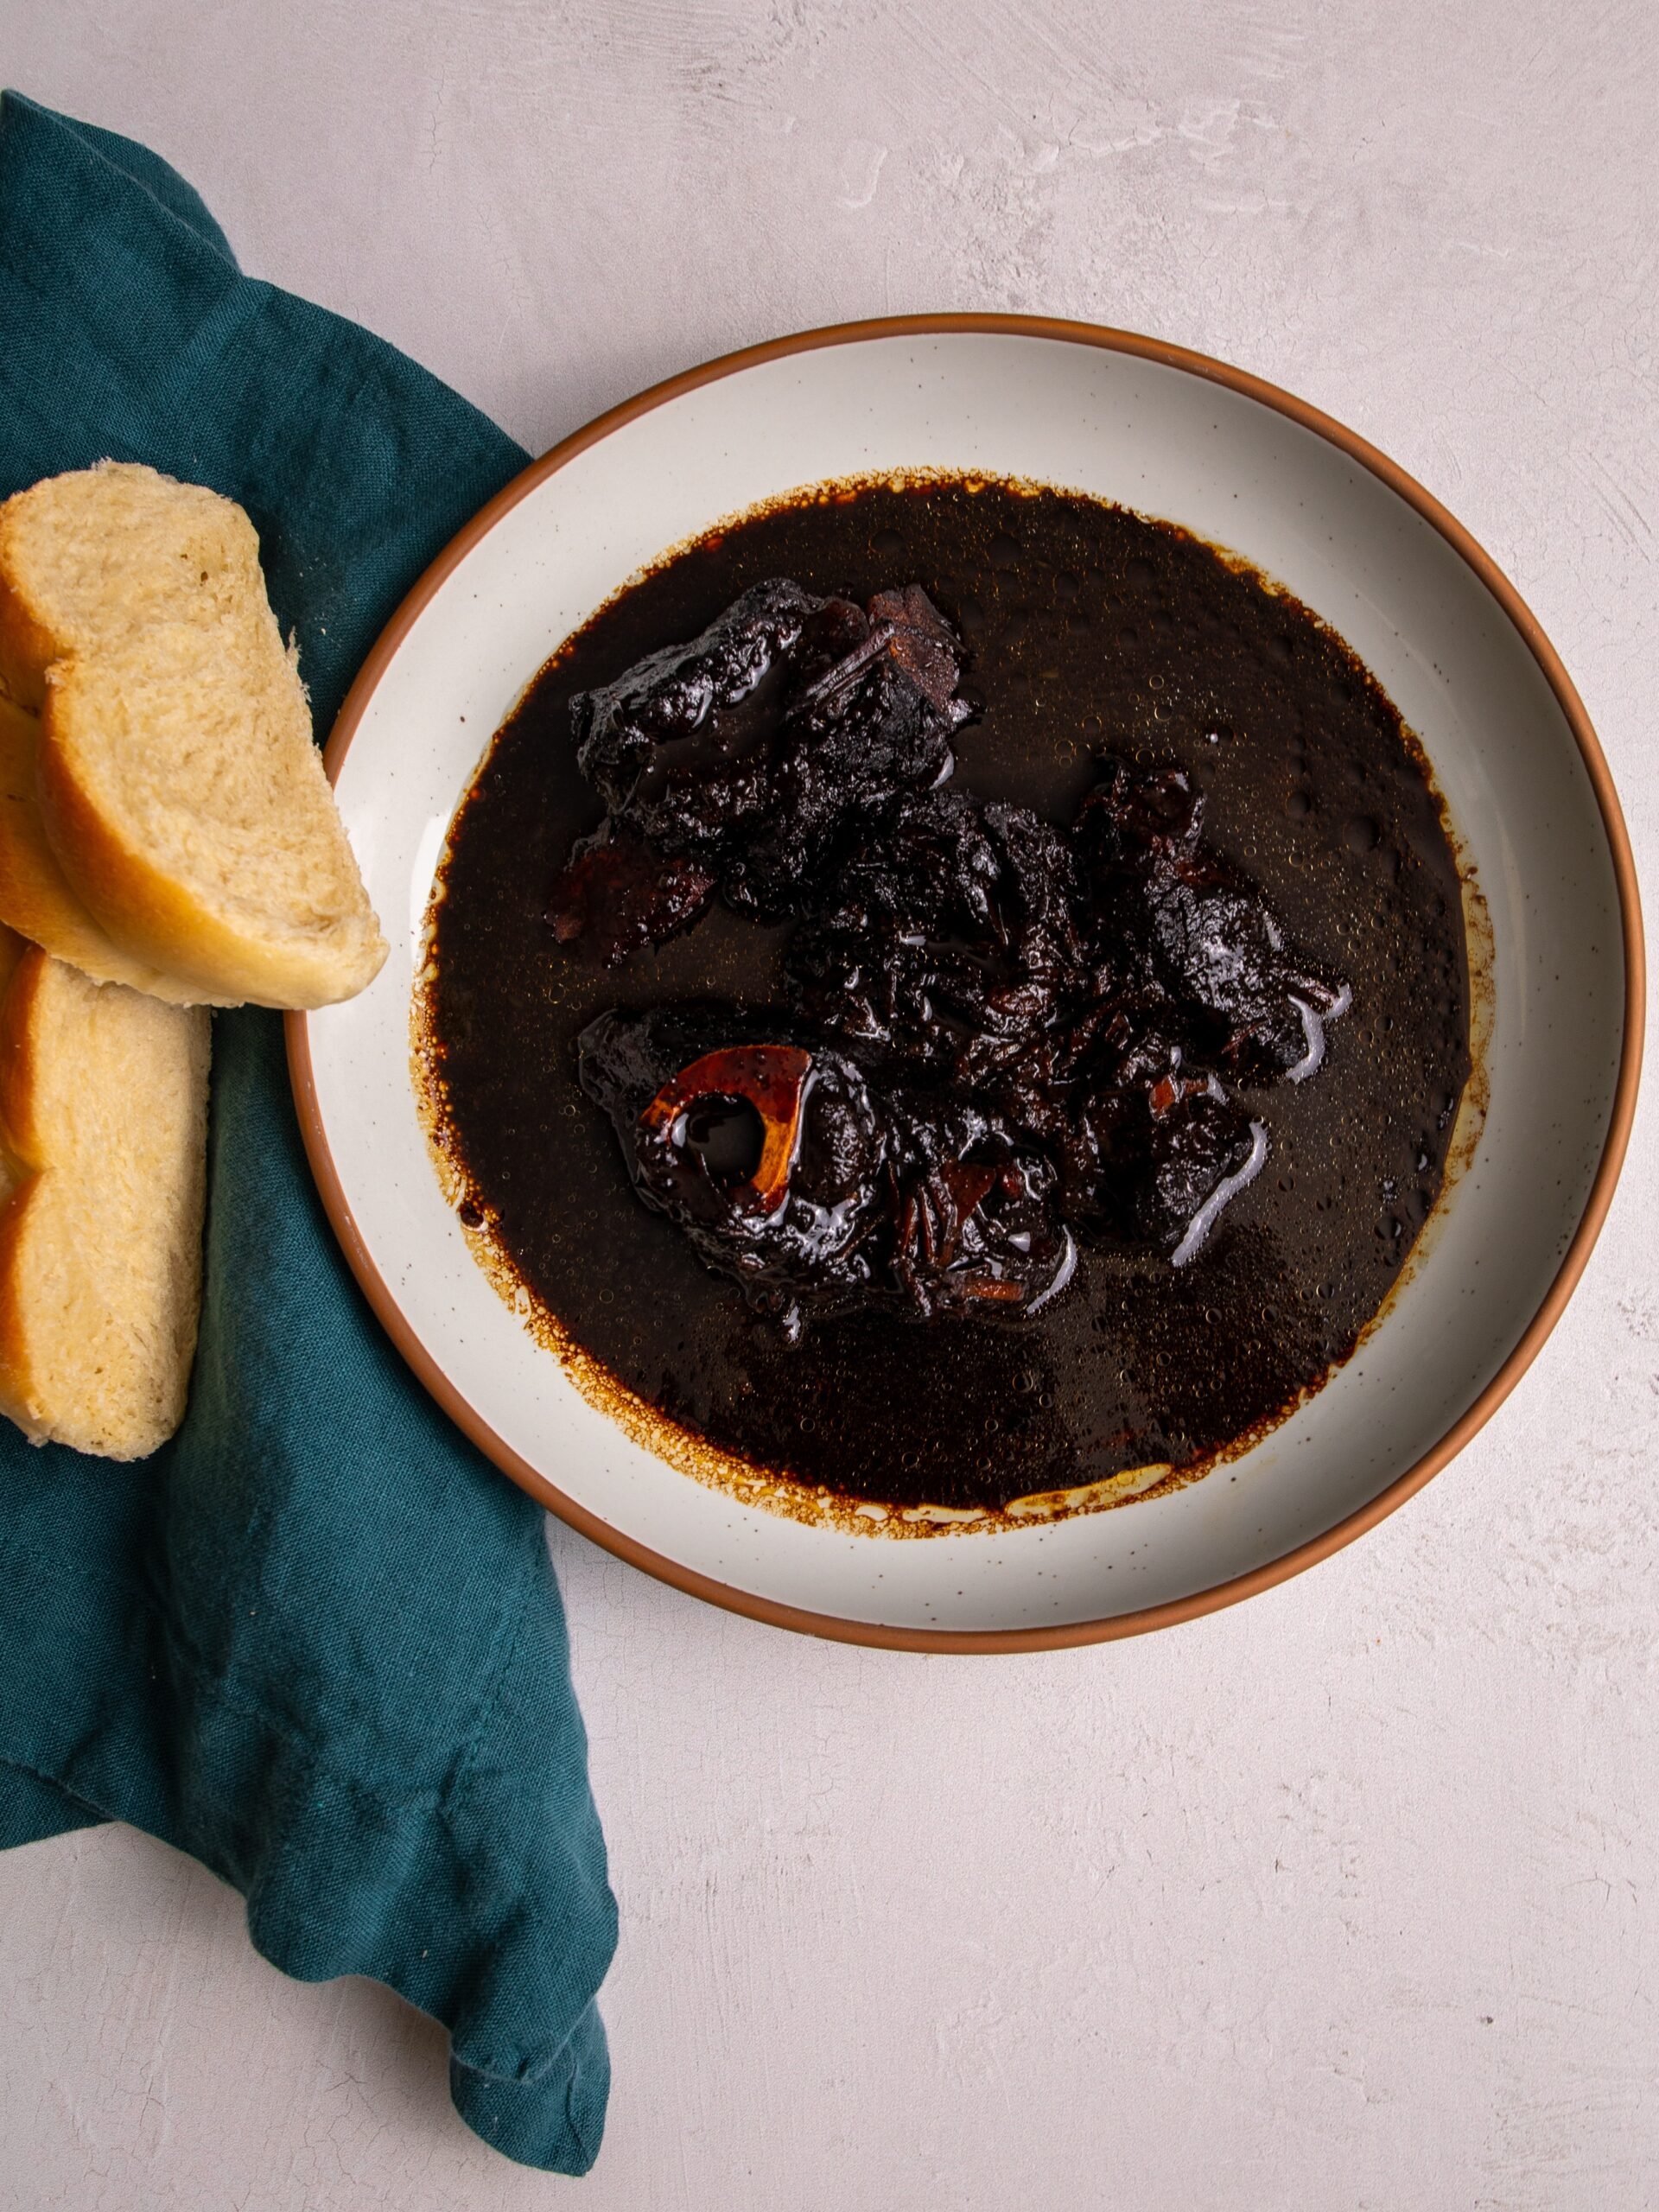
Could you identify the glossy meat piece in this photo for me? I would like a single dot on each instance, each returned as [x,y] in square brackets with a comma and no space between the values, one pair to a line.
[948,943]
[924,644]
[720,694]
[1141,1136]
[749,748]
[616,895]
[1137,820]
[844,1196]
[1258,1006]
[821,1245]
[1001,1031]
[951,949]
[975,1216]
[1151,1141]
[1199,925]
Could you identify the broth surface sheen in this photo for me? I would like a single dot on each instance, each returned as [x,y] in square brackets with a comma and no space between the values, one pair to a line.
[1091,630]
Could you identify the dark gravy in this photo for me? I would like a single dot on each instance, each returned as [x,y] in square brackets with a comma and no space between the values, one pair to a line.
[1090,627]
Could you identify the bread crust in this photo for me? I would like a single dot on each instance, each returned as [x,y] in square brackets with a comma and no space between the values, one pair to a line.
[21,1167]
[18,992]
[83,1406]
[59,642]
[156,921]
[25,645]
[36,897]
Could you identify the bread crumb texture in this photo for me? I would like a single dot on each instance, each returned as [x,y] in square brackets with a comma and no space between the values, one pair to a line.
[178,786]
[103,1117]
[36,897]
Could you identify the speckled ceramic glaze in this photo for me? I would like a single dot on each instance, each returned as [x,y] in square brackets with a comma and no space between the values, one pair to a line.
[1176,436]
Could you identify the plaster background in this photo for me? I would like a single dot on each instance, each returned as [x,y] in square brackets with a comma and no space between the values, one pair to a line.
[1342,1899]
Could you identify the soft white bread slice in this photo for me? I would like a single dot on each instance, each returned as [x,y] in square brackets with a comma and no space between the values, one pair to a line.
[178,784]
[35,893]
[103,1122]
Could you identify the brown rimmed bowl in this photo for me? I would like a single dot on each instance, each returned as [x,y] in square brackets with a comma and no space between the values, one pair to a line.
[1552,891]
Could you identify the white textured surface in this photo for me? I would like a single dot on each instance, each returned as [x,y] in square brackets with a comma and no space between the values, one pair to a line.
[1344,1899]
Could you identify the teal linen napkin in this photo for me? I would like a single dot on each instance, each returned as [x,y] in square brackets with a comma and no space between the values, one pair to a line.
[316,1640]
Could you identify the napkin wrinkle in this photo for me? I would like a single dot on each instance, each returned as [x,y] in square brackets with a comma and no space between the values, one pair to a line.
[316,1641]
[34,1806]
[175,197]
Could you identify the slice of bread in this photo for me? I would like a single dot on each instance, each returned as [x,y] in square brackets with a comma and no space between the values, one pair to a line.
[35,893]
[104,1124]
[178,784]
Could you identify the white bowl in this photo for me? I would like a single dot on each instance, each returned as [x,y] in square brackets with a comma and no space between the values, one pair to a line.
[1175,435]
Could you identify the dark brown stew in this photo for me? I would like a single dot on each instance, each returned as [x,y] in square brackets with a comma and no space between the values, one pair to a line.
[1102,671]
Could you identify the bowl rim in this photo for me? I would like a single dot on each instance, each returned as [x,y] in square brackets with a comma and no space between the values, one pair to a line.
[1523,1353]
